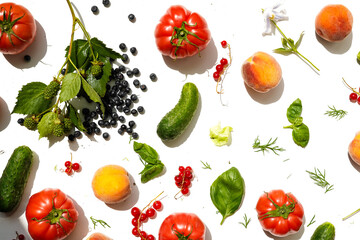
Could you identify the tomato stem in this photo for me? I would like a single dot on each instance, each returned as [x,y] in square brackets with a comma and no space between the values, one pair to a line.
[280,211]
[6,25]
[181,236]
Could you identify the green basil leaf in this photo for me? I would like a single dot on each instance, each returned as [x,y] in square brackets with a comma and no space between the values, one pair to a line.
[70,86]
[80,53]
[227,192]
[294,111]
[297,44]
[99,85]
[46,124]
[301,135]
[298,121]
[75,118]
[30,99]
[101,50]
[151,171]
[92,94]
[147,153]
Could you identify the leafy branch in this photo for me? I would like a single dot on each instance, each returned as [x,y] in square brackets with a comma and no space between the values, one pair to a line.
[96,221]
[266,147]
[246,221]
[333,112]
[320,180]
[206,165]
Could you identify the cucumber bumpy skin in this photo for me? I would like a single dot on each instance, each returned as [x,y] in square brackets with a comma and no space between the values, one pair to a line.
[14,178]
[325,231]
[174,123]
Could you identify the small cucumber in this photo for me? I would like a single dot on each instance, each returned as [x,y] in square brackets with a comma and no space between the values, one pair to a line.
[325,231]
[174,123]
[14,178]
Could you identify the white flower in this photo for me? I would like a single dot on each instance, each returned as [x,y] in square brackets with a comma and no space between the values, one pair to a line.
[276,13]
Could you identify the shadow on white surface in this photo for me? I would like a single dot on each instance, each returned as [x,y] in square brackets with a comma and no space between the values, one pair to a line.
[340,47]
[195,64]
[269,97]
[182,138]
[208,234]
[82,224]
[5,115]
[129,202]
[36,51]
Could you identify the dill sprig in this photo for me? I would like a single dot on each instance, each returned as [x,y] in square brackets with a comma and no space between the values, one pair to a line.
[206,165]
[268,146]
[311,221]
[96,221]
[246,221]
[320,180]
[333,112]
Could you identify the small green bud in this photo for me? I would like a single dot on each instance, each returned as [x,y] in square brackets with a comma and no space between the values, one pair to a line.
[51,90]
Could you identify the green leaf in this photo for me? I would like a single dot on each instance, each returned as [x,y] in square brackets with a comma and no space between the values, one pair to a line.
[46,124]
[298,121]
[80,54]
[291,42]
[301,135]
[99,85]
[294,110]
[70,86]
[147,153]
[151,171]
[227,192]
[92,94]
[284,43]
[75,118]
[297,44]
[282,51]
[100,49]
[220,136]
[30,99]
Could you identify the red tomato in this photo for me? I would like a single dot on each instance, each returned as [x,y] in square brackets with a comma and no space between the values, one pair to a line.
[181,33]
[182,226]
[51,215]
[280,213]
[17,28]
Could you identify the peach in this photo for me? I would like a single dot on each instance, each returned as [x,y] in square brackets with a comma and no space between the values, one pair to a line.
[111,184]
[334,22]
[98,236]
[354,149]
[261,72]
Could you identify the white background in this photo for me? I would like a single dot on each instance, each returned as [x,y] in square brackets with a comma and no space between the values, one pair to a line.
[250,114]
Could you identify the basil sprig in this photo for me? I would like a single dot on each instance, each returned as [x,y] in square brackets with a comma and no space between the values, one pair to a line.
[300,133]
[227,192]
[150,158]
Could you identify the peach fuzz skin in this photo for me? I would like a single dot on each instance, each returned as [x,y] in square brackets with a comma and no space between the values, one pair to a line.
[261,72]
[334,23]
[98,236]
[354,149]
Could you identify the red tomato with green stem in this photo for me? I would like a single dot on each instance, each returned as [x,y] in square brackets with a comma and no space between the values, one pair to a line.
[51,215]
[182,226]
[280,213]
[181,33]
[17,28]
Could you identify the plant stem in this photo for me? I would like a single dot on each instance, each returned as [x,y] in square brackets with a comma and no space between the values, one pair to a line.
[351,214]
[292,46]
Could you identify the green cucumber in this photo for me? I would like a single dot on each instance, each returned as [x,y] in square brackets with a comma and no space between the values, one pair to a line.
[14,178]
[174,123]
[325,231]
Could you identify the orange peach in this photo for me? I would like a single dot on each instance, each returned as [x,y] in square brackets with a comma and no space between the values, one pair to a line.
[354,149]
[334,22]
[98,236]
[111,184]
[261,72]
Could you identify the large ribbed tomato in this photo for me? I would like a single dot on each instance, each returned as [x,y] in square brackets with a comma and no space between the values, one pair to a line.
[17,28]
[280,213]
[51,215]
[182,226]
[181,33]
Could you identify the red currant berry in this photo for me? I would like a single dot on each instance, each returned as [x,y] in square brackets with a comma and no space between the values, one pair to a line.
[181,169]
[157,205]
[224,44]
[353,97]
[188,168]
[68,164]
[181,175]
[143,217]
[150,213]
[188,175]
[150,237]
[134,222]
[143,234]
[187,182]
[216,76]
[135,232]
[178,179]
[69,171]
[185,190]
[178,184]
[135,212]
[76,167]
[358,100]
[219,68]
[224,61]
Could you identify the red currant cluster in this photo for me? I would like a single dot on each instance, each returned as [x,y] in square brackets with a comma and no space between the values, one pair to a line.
[183,180]
[71,167]
[355,95]
[221,69]
[140,218]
